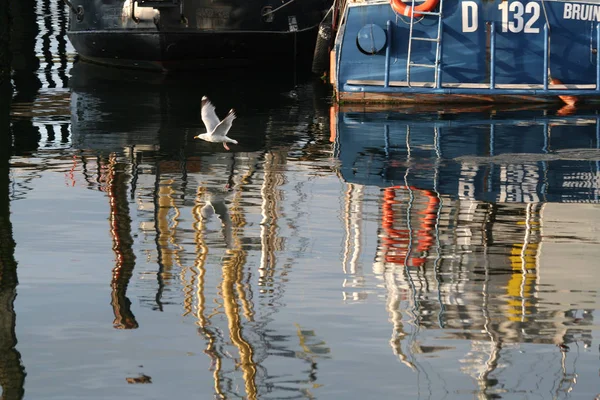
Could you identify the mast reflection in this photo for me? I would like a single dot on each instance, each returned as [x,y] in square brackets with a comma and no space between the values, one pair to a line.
[469,218]
[206,222]
[120,230]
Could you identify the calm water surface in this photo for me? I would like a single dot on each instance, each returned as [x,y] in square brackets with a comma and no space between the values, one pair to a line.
[351,252]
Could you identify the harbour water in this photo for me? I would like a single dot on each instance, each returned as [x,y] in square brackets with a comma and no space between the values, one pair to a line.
[336,252]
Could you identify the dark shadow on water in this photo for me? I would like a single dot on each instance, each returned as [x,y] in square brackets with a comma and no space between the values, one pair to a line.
[23,44]
[12,372]
[116,108]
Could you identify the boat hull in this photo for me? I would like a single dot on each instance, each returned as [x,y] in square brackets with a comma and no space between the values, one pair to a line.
[192,34]
[177,51]
[445,97]
[468,51]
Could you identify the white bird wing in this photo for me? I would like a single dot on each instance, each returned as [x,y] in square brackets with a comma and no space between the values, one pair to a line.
[223,127]
[209,116]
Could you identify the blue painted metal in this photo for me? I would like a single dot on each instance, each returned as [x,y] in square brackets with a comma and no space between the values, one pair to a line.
[598,147]
[546,55]
[492,55]
[438,75]
[484,92]
[527,39]
[597,56]
[390,35]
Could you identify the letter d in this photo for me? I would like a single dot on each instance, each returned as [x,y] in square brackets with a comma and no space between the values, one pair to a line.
[470,16]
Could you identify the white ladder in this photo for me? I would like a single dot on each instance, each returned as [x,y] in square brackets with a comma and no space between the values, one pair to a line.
[437,40]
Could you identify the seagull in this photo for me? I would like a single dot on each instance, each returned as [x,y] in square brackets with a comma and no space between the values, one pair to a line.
[216,129]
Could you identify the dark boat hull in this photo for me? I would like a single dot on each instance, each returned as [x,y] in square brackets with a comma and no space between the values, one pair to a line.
[196,34]
[185,51]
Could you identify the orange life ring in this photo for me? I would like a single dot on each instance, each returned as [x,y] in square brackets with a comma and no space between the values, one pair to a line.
[401,8]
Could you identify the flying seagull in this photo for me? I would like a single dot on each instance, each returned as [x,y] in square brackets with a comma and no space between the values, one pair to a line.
[216,129]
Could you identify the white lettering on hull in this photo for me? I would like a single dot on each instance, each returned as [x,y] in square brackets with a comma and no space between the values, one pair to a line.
[470,12]
[581,12]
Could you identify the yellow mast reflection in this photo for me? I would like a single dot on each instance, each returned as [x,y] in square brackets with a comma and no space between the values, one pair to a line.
[232,289]
[120,230]
[231,270]
[201,254]
[200,272]
[166,225]
[268,226]
[232,304]
[239,221]
[524,264]
[167,214]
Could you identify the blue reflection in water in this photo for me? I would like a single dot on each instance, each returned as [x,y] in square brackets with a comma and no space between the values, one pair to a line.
[499,156]
[477,235]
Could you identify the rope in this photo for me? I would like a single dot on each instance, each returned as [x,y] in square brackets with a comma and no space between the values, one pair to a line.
[277,9]
[327,14]
[78,11]
[67,2]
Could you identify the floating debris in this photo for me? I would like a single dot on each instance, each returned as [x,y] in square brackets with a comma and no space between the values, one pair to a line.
[140,379]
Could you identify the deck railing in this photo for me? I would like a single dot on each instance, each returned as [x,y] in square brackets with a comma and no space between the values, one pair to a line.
[547,87]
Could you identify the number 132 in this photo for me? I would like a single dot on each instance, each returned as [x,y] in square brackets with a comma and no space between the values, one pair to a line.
[516,25]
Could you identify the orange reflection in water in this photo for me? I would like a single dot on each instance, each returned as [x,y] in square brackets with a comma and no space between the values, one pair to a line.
[399,243]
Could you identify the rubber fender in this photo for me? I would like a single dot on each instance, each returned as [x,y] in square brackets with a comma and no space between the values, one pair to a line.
[320,62]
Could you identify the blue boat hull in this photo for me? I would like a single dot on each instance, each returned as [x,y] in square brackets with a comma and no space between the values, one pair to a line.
[508,51]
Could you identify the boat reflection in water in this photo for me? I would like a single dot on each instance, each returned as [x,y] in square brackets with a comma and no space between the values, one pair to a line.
[460,225]
[480,248]
[182,199]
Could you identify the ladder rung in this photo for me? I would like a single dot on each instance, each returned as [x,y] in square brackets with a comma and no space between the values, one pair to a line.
[428,13]
[426,39]
[423,65]
[437,40]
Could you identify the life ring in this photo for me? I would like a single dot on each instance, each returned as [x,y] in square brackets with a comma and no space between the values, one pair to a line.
[401,8]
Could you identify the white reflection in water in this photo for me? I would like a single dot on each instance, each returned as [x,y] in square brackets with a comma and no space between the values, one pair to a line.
[456,267]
